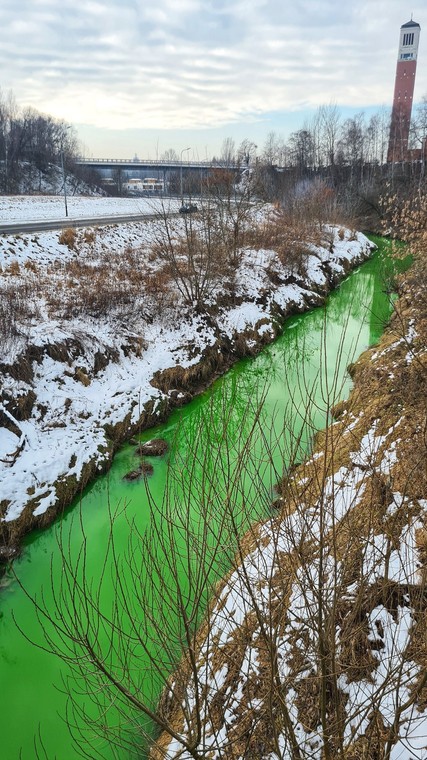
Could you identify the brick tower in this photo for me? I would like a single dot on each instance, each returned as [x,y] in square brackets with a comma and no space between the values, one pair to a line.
[403,91]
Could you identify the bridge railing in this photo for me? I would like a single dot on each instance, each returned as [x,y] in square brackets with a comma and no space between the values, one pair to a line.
[155,162]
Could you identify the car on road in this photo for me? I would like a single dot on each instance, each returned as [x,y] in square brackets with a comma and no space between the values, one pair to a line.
[188,208]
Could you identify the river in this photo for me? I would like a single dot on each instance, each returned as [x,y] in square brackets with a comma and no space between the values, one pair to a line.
[308,360]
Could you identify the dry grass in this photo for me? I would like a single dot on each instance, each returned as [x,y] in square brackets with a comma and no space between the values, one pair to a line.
[89,236]
[17,309]
[68,237]
[113,284]
[288,237]
[292,230]
[13,269]
[182,268]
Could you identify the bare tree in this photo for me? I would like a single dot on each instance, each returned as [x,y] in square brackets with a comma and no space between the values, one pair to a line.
[202,251]
[329,125]
[315,637]
[274,150]
[301,144]
[170,155]
[147,628]
[352,144]
[246,153]
[228,152]
[31,142]
[418,132]
[9,137]
[257,628]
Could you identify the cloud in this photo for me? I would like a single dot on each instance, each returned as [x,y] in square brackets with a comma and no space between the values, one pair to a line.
[176,64]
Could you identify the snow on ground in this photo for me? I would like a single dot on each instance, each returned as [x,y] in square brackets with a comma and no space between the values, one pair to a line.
[28,208]
[122,388]
[66,430]
[73,401]
[44,248]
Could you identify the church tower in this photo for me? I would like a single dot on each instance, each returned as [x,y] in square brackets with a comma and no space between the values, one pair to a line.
[403,91]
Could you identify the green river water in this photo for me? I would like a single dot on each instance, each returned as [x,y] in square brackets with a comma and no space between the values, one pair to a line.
[312,353]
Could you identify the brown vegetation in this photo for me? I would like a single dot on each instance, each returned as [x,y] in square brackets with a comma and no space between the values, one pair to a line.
[68,237]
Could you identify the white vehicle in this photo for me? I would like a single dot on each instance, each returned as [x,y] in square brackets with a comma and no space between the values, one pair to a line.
[143,185]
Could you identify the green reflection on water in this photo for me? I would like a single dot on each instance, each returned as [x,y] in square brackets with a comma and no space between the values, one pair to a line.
[308,361]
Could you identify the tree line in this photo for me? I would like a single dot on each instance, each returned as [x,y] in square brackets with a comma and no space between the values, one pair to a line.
[344,159]
[329,140]
[32,146]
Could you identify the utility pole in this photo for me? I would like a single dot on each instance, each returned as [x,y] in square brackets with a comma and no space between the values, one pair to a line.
[183,151]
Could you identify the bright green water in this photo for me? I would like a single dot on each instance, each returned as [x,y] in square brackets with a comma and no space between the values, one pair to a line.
[306,362]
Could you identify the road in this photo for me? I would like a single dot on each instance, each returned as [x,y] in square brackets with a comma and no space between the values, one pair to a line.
[42,225]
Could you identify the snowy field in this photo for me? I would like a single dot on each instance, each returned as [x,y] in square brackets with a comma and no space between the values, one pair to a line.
[31,208]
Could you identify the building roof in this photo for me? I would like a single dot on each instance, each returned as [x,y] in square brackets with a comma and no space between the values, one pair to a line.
[410,23]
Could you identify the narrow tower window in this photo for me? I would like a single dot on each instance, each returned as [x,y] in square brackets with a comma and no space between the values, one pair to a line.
[408,39]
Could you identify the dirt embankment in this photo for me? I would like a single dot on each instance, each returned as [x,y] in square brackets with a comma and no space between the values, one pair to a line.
[316,640]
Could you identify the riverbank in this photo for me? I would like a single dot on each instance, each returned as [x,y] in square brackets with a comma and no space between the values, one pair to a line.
[315,644]
[99,344]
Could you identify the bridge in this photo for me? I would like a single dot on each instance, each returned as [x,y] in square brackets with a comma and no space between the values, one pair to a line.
[149,164]
[174,176]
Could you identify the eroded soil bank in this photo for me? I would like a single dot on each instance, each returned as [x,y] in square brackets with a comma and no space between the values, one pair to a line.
[316,643]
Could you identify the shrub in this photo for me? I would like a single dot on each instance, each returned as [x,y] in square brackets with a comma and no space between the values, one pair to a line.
[68,237]
[31,266]
[89,236]
[14,268]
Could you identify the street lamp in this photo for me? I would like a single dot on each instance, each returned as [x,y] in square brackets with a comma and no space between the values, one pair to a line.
[63,169]
[63,180]
[183,151]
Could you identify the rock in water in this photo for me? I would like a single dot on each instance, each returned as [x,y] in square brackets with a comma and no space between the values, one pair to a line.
[132,475]
[154,448]
[8,553]
[147,468]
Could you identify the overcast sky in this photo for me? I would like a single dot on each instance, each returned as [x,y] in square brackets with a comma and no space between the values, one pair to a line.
[141,76]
